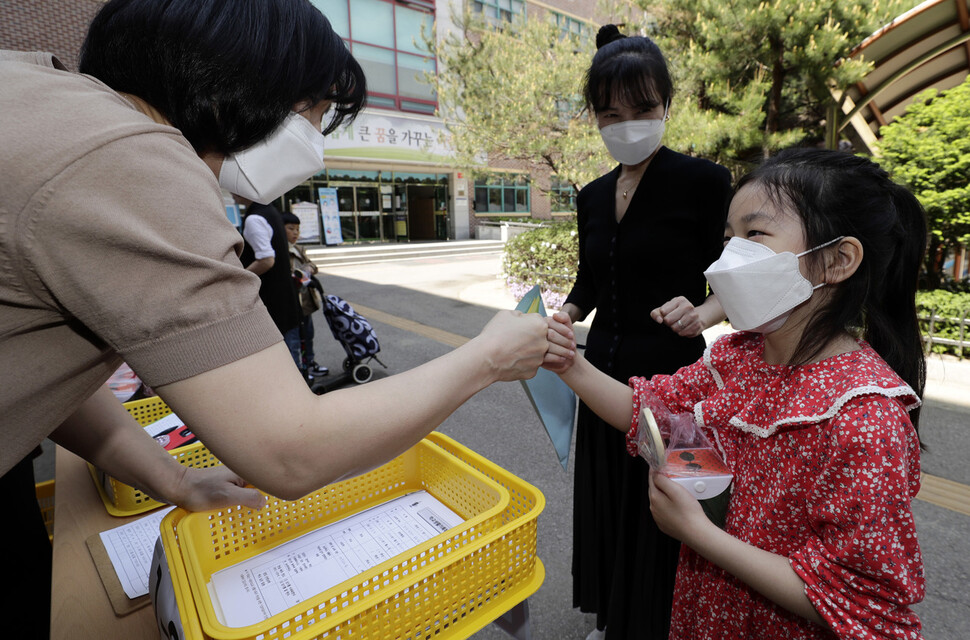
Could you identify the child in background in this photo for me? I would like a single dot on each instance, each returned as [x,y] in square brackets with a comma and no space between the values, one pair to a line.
[813,404]
[304,270]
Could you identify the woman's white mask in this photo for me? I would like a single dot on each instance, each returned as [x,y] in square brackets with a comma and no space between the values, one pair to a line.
[633,141]
[758,288]
[268,169]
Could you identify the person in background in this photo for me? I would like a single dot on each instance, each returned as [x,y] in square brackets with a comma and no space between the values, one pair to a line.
[304,277]
[116,247]
[814,405]
[647,230]
[267,254]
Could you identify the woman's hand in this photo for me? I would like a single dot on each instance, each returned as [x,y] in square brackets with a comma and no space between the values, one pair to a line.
[687,320]
[515,344]
[681,316]
[562,343]
[214,488]
[675,510]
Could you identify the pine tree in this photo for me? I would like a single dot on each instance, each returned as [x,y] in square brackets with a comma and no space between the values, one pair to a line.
[758,75]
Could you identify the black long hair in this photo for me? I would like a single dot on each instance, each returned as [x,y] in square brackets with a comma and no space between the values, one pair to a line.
[840,194]
[629,68]
[224,72]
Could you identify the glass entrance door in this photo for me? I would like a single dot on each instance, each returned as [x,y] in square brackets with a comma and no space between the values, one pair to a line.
[346,207]
[359,208]
[368,214]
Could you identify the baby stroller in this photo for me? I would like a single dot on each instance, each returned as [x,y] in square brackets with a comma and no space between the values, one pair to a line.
[355,334]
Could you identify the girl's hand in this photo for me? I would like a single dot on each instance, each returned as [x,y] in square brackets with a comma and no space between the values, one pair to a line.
[562,343]
[681,316]
[675,510]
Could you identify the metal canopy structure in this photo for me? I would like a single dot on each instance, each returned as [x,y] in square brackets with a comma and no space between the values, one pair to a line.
[926,47]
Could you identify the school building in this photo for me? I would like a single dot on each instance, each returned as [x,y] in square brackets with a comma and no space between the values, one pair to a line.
[389,176]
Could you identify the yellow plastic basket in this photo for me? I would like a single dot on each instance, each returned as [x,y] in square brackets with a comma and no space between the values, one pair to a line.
[448,587]
[45,498]
[123,500]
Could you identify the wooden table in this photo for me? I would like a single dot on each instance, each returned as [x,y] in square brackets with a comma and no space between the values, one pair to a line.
[79,603]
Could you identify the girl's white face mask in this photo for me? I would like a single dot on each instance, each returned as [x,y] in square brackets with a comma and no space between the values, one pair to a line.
[268,169]
[633,141]
[758,288]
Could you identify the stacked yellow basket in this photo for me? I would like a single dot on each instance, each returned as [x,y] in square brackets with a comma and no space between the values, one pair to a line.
[121,499]
[449,587]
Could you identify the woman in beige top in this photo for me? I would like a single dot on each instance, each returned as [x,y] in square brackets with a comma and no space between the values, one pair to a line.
[114,246]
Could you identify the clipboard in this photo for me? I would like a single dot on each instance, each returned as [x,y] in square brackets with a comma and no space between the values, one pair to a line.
[120,602]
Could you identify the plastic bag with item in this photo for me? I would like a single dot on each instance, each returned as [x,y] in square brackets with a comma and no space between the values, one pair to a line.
[673,444]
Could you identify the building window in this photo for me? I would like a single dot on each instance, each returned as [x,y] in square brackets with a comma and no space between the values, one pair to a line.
[386,38]
[503,194]
[569,26]
[499,9]
[562,196]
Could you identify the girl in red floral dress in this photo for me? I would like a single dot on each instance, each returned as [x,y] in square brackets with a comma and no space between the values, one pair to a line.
[814,404]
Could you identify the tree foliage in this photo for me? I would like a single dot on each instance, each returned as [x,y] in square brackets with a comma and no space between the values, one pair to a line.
[547,257]
[516,93]
[751,76]
[948,309]
[756,75]
[928,150]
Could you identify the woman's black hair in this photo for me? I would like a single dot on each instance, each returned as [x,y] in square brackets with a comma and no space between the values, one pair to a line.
[840,194]
[631,69]
[224,72]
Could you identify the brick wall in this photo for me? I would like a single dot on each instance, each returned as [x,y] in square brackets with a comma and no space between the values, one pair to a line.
[56,26]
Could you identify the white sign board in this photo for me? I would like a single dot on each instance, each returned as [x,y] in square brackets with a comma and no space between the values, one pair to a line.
[392,137]
[309,217]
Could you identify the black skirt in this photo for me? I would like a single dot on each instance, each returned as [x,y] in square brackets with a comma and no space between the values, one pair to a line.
[623,565]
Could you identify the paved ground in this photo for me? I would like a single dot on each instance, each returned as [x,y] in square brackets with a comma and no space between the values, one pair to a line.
[421,308]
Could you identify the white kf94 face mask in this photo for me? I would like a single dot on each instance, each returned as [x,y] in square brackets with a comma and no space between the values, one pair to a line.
[633,141]
[268,169]
[758,288]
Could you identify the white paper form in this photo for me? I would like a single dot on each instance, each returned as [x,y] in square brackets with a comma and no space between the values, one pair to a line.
[130,549]
[275,580]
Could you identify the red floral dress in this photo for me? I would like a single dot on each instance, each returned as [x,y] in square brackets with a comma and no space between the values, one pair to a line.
[826,464]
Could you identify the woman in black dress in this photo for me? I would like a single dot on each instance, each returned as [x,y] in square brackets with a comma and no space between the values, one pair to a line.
[647,231]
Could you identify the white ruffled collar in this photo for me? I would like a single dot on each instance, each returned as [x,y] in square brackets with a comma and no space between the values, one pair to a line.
[791,397]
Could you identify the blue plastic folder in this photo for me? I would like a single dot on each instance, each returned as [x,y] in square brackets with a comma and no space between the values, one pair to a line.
[554,402]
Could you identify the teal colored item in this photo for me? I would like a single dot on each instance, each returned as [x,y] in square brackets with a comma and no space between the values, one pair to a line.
[554,402]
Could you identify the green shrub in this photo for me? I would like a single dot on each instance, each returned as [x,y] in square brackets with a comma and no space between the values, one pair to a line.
[947,305]
[547,256]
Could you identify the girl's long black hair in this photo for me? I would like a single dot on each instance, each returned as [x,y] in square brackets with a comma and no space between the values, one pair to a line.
[840,194]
